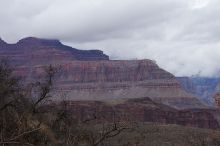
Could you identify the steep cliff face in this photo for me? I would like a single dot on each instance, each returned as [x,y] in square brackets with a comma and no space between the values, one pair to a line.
[106,80]
[124,79]
[142,110]
[114,71]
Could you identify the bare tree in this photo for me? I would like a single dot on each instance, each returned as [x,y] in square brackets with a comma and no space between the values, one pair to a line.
[27,118]
[18,122]
[92,131]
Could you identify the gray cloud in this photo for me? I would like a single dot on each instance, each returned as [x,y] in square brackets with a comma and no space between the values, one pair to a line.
[182,36]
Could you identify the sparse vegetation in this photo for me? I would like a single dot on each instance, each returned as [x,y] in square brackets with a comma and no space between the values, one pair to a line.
[151,134]
[28,119]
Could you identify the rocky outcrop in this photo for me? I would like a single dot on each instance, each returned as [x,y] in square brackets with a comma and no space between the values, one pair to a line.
[142,110]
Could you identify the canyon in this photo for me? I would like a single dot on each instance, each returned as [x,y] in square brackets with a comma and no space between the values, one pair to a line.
[89,77]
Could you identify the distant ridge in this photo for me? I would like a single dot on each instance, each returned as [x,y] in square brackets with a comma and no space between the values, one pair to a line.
[52,49]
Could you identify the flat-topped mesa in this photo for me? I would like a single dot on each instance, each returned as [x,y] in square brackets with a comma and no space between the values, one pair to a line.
[77,54]
[46,51]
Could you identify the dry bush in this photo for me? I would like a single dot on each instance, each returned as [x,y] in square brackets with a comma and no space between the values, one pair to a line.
[27,117]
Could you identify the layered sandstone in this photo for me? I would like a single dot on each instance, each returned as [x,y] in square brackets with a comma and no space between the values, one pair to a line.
[106,80]
[89,75]
[89,82]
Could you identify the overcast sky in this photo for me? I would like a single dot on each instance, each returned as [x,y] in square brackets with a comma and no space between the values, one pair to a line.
[183,36]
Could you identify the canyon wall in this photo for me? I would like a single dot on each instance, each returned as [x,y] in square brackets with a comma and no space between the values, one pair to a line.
[88,81]
[90,75]
[104,80]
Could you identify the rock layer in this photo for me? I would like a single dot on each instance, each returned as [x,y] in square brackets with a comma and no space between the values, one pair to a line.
[142,110]
[96,77]
[106,80]
[90,82]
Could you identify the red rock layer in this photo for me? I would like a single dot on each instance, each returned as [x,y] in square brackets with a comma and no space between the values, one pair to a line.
[142,110]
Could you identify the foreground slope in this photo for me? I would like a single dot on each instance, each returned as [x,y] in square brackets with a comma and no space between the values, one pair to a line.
[141,110]
[148,134]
